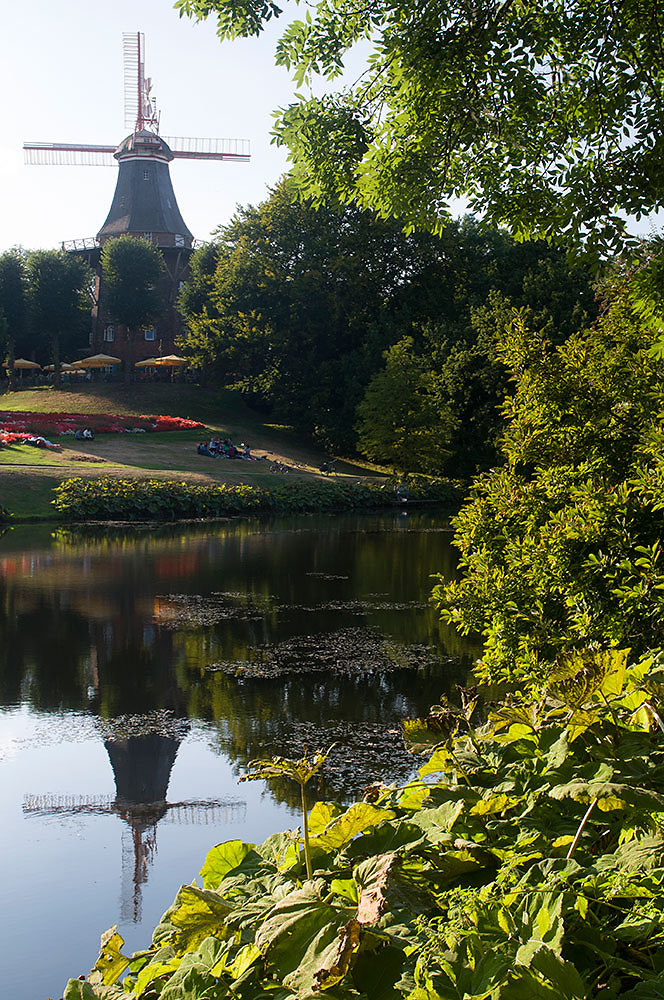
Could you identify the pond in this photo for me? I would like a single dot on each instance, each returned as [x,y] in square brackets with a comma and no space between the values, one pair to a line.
[142,668]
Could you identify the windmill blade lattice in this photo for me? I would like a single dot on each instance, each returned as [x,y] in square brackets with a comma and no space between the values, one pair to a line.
[68,155]
[209,149]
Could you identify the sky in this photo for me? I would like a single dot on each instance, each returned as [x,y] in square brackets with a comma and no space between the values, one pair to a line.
[61,76]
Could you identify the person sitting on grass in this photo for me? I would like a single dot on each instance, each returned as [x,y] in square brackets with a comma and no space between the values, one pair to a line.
[204,450]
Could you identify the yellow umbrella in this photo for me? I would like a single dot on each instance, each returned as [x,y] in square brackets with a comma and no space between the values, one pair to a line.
[97,361]
[22,363]
[146,363]
[171,361]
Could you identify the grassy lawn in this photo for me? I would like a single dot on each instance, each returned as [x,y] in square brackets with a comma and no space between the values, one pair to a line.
[28,475]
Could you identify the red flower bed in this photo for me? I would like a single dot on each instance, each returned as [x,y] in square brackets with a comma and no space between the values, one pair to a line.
[21,421]
[24,437]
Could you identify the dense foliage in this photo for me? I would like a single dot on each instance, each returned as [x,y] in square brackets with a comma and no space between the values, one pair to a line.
[546,114]
[297,307]
[113,499]
[132,271]
[13,307]
[561,547]
[57,283]
[526,862]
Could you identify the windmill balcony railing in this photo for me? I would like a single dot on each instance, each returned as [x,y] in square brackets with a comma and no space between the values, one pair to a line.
[87,243]
[92,243]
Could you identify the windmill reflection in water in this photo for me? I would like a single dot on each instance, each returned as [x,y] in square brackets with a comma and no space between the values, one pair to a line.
[142,766]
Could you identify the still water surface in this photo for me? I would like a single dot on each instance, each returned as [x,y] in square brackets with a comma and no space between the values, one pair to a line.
[140,669]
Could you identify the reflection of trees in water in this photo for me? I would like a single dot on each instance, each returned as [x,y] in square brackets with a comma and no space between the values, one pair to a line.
[80,627]
[305,713]
[43,652]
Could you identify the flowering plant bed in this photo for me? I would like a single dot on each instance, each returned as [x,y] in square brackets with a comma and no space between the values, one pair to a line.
[22,421]
[25,437]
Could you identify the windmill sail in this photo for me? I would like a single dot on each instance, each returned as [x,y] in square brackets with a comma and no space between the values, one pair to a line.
[68,154]
[209,149]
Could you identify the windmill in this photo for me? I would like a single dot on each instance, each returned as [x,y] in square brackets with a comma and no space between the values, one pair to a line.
[144,203]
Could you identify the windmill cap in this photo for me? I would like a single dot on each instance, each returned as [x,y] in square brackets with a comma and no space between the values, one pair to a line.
[144,144]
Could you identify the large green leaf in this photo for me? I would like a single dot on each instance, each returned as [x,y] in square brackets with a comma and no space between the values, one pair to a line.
[197,914]
[610,795]
[341,829]
[155,970]
[390,836]
[439,820]
[650,989]
[322,814]
[222,859]
[300,938]
[281,849]
[195,978]
[79,989]
[111,962]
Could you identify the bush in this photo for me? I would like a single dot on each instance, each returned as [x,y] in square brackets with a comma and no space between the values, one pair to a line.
[113,499]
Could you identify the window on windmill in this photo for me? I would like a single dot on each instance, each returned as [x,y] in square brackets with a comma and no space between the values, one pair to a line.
[150,334]
[109,333]
[147,236]
[146,175]
[179,240]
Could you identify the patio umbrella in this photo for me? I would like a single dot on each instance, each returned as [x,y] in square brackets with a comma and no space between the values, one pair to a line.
[171,361]
[146,363]
[22,363]
[97,361]
[64,367]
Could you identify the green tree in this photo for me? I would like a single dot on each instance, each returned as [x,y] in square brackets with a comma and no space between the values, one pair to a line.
[132,274]
[460,311]
[561,547]
[57,284]
[295,306]
[13,306]
[546,114]
[399,423]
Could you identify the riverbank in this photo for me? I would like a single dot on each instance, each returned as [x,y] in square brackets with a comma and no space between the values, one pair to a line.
[29,476]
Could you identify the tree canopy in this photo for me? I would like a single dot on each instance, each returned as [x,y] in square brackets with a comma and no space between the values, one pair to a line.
[547,115]
[561,546]
[297,305]
[132,273]
[13,305]
[56,294]
[132,270]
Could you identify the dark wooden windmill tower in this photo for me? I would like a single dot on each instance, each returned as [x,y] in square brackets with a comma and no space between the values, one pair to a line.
[144,203]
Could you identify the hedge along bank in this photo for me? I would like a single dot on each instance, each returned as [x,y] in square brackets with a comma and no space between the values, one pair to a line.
[108,498]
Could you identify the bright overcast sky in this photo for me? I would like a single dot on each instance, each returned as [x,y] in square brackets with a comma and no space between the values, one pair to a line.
[61,78]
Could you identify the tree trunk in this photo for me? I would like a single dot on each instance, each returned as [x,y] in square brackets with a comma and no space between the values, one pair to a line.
[11,355]
[55,351]
[129,357]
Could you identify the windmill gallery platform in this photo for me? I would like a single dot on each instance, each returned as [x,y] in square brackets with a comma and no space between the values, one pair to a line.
[144,204]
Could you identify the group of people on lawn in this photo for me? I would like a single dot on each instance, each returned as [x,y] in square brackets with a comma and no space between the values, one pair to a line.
[215,448]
